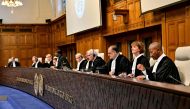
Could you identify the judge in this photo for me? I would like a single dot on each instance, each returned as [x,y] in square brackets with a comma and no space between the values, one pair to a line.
[36,63]
[88,62]
[94,60]
[118,64]
[81,62]
[13,63]
[164,70]
[48,61]
[62,62]
[137,49]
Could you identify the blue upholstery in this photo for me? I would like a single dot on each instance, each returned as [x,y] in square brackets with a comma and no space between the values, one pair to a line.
[20,100]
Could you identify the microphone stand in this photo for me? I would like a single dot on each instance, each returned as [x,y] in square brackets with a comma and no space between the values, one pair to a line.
[171,77]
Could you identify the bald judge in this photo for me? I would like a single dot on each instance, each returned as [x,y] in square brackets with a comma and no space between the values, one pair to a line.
[164,70]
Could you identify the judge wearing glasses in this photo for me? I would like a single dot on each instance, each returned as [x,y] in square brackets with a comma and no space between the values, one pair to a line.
[95,60]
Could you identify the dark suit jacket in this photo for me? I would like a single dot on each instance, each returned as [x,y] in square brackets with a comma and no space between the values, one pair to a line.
[40,65]
[144,61]
[10,64]
[165,69]
[48,65]
[122,65]
[98,62]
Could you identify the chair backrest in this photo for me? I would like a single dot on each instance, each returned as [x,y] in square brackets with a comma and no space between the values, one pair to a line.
[182,61]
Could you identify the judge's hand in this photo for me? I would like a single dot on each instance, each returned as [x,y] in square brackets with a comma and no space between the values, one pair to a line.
[112,74]
[74,69]
[140,77]
[131,75]
[124,75]
[53,67]
[140,67]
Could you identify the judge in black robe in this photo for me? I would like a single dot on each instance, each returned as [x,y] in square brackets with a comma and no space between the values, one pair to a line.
[81,62]
[138,48]
[48,61]
[63,63]
[94,60]
[166,71]
[97,62]
[118,64]
[123,65]
[36,63]
[144,61]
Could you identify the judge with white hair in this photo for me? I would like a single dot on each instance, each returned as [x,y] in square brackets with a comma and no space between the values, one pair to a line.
[95,60]
[81,62]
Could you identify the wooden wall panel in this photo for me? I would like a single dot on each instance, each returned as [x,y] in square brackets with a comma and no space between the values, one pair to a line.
[136,19]
[24,44]
[187,25]
[175,29]
[181,32]
[93,40]
[174,23]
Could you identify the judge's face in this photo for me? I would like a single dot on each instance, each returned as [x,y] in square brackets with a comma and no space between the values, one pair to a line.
[33,59]
[54,61]
[154,53]
[135,49]
[111,53]
[49,58]
[90,56]
[78,58]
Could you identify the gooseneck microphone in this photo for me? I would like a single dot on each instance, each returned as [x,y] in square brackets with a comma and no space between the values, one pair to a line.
[171,77]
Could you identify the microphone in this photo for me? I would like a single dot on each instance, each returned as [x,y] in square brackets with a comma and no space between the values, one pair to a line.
[171,77]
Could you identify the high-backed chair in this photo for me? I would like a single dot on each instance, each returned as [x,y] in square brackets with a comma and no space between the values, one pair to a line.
[182,61]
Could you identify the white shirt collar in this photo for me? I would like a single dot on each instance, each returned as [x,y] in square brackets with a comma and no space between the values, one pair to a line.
[135,63]
[113,64]
[14,64]
[36,64]
[116,57]
[78,64]
[160,58]
[157,62]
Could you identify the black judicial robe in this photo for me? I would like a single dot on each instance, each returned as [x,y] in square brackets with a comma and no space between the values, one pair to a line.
[122,65]
[48,65]
[10,64]
[83,65]
[98,62]
[89,66]
[144,61]
[40,65]
[166,68]
[63,62]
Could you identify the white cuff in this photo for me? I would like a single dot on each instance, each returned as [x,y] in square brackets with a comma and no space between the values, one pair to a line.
[144,72]
[146,76]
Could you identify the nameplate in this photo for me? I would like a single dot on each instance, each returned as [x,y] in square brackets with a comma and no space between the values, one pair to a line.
[3,98]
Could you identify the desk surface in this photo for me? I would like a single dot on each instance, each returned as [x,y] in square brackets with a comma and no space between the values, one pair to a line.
[80,90]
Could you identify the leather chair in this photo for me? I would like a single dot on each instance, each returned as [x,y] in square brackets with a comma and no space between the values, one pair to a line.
[182,61]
